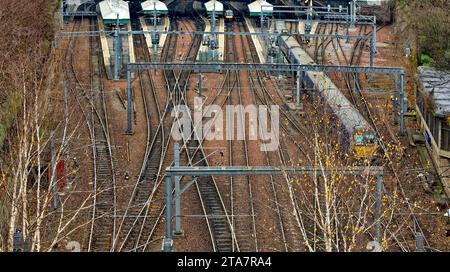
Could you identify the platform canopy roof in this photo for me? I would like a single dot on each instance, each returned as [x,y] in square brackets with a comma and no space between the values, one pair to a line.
[373,2]
[256,7]
[150,5]
[111,8]
[214,5]
[436,84]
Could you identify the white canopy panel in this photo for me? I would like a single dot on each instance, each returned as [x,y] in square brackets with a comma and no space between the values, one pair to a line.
[255,7]
[111,8]
[150,5]
[210,6]
[374,2]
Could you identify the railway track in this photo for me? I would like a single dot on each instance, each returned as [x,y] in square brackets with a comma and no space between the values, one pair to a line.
[265,97]
[241,192]
[283,197]
[229,232]
[211,200]
[141,232]
[356,55]
[93,108]
[146,204]
[139,217]
[353,84]
[176,82]
[322,193]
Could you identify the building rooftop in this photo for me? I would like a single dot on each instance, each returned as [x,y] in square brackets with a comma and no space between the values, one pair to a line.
[436,84]
[111,8]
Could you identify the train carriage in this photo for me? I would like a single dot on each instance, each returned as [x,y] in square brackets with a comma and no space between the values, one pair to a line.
[229,14]
[359,136]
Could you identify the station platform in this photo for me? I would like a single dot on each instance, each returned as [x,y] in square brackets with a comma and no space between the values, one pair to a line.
[257,40]
[105,48]
[129,39]
[164,26]
[107,44]
[301,26]
[204,53]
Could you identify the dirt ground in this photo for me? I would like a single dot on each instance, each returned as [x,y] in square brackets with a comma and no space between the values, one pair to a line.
[129,149]
[378,93]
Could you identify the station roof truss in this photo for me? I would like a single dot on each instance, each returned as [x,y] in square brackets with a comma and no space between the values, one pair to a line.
[150,6]
[260,7]
[436,84]
[110,9]
[215,6]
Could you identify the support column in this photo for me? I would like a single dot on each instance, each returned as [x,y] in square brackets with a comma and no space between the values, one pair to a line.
[293,86]
[262,20]
[117,51]
[402,104]
[176,159]
[200,84]
[117,54]
[373,43]
[309,23]
[155,44]
[351,13]
[395,101]
[299,86]
[168,239]
[347,40]
[129,103]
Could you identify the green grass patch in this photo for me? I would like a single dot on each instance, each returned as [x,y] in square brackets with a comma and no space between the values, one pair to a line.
[426,60]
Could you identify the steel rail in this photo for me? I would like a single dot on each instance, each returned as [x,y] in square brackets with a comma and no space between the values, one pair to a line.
[355,57]
[93,136]
[286,225]
[242,242]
